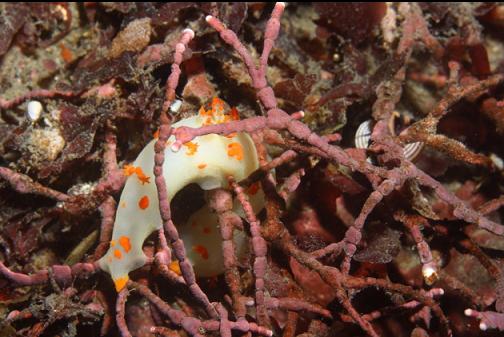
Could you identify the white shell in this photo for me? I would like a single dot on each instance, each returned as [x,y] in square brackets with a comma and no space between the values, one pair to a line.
[34,110]
[363,136]
[175,106]
[412,150]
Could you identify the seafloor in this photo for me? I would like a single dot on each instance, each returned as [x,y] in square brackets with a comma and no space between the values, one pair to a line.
[378,144]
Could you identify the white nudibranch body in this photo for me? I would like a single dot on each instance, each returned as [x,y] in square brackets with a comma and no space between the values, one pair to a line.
[207,161]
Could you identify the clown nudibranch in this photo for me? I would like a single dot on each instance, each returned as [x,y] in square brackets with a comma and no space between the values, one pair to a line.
[207,161]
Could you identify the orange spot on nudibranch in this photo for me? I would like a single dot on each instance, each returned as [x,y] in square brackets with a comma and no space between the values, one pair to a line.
[123,204]
[112,243]
[202,166]
[120,283]
[139,171]
[144,179]
[215,114]
[124,241]
[117,254]
[202,251]
[203,112]
[128,170]
[208,121]
[141,175]
[175,267]
[191,148]
[217,105]
[156,134]
[235,150]
[144,202]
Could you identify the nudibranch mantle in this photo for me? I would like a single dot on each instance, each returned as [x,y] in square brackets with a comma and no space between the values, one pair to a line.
[207,161]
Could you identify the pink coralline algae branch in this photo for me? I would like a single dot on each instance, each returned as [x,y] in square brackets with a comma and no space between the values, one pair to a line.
[295,267]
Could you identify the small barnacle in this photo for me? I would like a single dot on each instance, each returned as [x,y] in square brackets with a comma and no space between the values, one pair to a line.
[429,272]
[84,188]
[44,145]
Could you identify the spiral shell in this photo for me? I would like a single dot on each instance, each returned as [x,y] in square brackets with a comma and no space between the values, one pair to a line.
[363,136]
